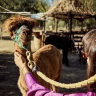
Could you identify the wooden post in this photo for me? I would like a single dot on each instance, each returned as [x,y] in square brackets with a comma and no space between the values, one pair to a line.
[55,23]
[43,33]
[37,40]
[70,24]
[57,26]
[0,33]
[44,23]
[70,29]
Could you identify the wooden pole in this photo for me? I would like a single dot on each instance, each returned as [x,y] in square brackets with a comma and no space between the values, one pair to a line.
[44,30]
[44,24]
[0,33]
[70,29]
[70,24]
[57,26]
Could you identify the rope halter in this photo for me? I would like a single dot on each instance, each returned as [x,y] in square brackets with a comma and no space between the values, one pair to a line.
[17,39]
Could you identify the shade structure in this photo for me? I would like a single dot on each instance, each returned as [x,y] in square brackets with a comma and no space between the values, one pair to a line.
[68,10]
[64,8]
[38,16]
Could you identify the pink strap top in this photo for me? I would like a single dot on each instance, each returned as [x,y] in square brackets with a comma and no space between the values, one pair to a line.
[34,89]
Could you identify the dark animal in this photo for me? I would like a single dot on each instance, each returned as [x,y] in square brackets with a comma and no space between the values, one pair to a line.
[61,42]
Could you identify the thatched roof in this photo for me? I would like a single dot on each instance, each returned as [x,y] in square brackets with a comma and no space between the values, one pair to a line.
[62,9]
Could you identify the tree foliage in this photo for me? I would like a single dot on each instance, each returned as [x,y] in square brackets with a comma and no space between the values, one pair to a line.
[33,6]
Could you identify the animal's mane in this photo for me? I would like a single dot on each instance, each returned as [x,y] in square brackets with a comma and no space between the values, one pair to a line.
[14,22]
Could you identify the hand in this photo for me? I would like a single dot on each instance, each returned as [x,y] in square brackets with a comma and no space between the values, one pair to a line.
[20,61]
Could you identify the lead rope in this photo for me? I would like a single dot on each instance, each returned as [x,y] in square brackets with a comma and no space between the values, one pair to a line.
[55,83]
[32,65]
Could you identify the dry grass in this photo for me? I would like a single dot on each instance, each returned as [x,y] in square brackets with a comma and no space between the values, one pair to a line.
[7,45]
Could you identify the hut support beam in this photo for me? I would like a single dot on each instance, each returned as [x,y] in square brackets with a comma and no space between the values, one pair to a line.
[56,25]
[44,24]
[70,29]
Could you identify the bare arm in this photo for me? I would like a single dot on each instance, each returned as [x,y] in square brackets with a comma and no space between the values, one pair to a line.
[20,61]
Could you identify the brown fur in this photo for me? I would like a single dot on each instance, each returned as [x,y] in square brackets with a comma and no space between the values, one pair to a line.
[14,22]
[48,59]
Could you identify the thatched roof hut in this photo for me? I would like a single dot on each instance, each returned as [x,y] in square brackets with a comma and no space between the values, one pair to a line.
[64,8]
[68,10]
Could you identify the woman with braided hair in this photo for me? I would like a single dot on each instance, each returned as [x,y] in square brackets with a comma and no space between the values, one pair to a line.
[34,89]
[89,43]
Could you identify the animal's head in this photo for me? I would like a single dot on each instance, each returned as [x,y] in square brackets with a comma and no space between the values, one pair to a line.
[20,28]
[23,34]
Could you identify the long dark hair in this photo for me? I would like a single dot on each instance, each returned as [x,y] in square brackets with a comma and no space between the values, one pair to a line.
[89,43]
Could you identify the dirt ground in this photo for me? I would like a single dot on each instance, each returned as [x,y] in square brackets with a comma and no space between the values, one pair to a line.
[9,71]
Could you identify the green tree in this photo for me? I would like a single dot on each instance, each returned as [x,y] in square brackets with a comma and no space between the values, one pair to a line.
[33,6]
